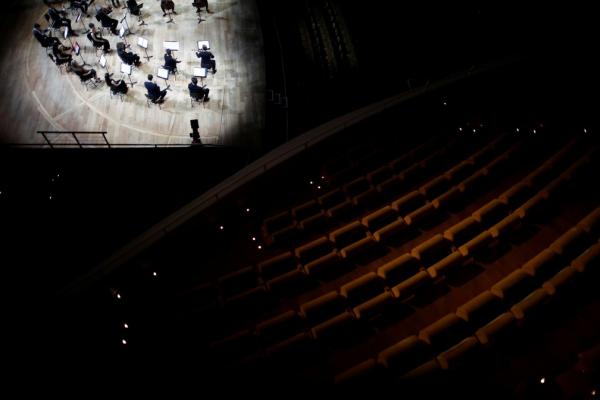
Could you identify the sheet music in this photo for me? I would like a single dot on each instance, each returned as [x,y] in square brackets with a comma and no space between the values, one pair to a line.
[102,61]
[78,17]
[126,69]
[143,42]
[163,73]
[76,48]
[171,45]
[122,32]
[200,72]
[203,43]
[66,32]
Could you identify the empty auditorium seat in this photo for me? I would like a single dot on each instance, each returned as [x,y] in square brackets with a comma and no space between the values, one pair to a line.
[474,184]
[561,281]
[324,266]
[401,163]
[362,289]
[480,309]
[391,230]
[380,218]
[516,195]
[589,260]
[357,186]
[280,327]
[539,177]
[236,345]
[530,305]
[514,287]
[291,348]
[435,187]
[356,249]
[374,306]
[553,190]
[477,245]
[323,308]
[360,374]
[532,208]
[238,281]
[313,250]
[544,265]
[284,235]
[278,222]
[399,269]
[498,166]
[491,213]
[591,223]
[348,234]
[314,222]
[290,282]
[421,216]
[340,325]
[250,300]
[412,174]
[391,187]
[332,198]
[463,231]
[444,332]
[460,172]
[380,175]
[497,329]
[405,355]
[506,226]
[306,210]
[423,373]
[446,265]
[342,210]
[459,354]
[367,199]
[408,203]
[413,285]
[572,243]
[277,265]
[432,250]
[449,199]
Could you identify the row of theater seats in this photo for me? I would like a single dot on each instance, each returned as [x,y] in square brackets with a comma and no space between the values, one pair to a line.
[519,297]
[375,293]
[378,182]
[581,380]
[295,270]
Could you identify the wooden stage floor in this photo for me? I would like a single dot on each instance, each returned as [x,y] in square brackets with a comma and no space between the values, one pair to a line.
[36,96]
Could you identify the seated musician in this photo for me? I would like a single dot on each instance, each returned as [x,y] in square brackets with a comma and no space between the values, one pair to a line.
[199,93]
[170,61]
[127,57]
[207,59]
[166,5]
[116,86]
[42,36]
[106,21]
[199,4]
[96,38]
[134,7]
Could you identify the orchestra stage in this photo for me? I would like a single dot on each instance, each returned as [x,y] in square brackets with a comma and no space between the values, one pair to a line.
[37,96]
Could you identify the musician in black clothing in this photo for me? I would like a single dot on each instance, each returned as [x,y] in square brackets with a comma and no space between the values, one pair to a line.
[42,37]
[154,92]
[58,19]
[170,62]
[61,53]
[167,5]
[97,39]
[207,59]
[116,86]
[201,3]
[83,5]
[106,21]
[128,58]
[199,93]
[134,7]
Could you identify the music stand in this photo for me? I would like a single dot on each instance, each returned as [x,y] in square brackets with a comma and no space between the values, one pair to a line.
[122,34]
[103,63]
[143,43]
[78,19]
[171,45]
[203,43]
[126,69]
[124,20]
[77,50]
[200,72]
[163,73]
